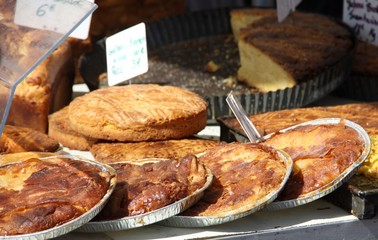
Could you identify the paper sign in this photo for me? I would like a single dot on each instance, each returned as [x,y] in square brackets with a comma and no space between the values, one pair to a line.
[362,16]
[126,54]
[284,7]
[82,30]
[49,14]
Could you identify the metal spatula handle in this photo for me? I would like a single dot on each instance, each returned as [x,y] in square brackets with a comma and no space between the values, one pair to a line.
[240,114]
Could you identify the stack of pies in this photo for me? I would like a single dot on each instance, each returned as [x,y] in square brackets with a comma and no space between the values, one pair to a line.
[132,113]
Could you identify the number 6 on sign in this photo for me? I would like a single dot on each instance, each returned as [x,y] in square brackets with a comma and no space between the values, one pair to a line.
[126,54]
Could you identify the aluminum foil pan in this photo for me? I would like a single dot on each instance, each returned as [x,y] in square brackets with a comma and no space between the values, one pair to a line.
[149,217]
[79,221]
[337,182]
[180,47]
[202,221]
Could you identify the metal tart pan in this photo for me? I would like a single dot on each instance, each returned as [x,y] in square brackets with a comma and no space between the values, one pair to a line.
[79,221]
[149,217]
[337,182]
[204,221]
[177,57]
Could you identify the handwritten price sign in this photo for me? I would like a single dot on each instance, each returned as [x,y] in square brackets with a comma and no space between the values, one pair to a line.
[126,54]
[362,16]
[51,14]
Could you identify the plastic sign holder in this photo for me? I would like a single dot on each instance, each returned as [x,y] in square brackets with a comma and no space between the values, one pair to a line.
[31,31]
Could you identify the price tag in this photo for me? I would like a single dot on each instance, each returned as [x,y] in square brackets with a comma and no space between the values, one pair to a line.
[284,7]
[49,14]
[82,30]
[362,16]
[126,54]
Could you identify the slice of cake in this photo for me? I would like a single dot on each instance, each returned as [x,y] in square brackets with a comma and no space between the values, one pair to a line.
[276,55]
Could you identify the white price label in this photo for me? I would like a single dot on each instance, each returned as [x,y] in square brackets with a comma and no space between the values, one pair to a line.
[284,7]
[50,14]
[126,54]
[362,16]
[82,31]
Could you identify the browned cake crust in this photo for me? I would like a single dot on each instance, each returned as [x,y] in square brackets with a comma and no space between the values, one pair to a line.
[138,112]
[117,152]
[21,139]
[241,18]
[365,114]
[41,194]
[22,156]
[142,188]
[243,174]
[320,154]
[277,55]
[45,90]
[61,131]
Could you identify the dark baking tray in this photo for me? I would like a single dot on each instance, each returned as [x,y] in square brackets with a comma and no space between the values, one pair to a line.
[358,196]
[187,42]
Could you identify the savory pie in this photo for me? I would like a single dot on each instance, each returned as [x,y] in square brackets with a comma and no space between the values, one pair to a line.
[144,187]
[244,173]
[39,194]
[321,153]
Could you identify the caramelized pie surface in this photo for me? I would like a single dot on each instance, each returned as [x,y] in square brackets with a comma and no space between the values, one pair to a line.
[243,175]
[41,194]
[321,153]
[142,188]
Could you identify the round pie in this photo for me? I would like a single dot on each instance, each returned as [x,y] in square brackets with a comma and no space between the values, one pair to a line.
[138,112]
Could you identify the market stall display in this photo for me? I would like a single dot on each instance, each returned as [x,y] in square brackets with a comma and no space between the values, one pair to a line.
[197,51]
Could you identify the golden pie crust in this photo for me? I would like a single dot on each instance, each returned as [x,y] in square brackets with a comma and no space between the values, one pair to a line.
[138,112]
[117,152]
[334,147]
[148,186]
[243,174]
[37,194]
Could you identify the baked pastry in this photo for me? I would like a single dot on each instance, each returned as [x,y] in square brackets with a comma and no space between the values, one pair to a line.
[39,194]
[22,156]
[243,175]
[46,89]
[276,55]
[61,131]
[21,139]
[138,112]
[321,153]
[364,114]
[148,186]
[241,18]
[117,152]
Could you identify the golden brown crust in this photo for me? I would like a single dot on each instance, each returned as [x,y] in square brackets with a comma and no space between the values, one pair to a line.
[117,152]
[41,194]
[20,139]
[243,174]
[61,131]
[22,156]
[333,147]
[46,89]
[138,112]
[149,186]
[365,114]
[296,49]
